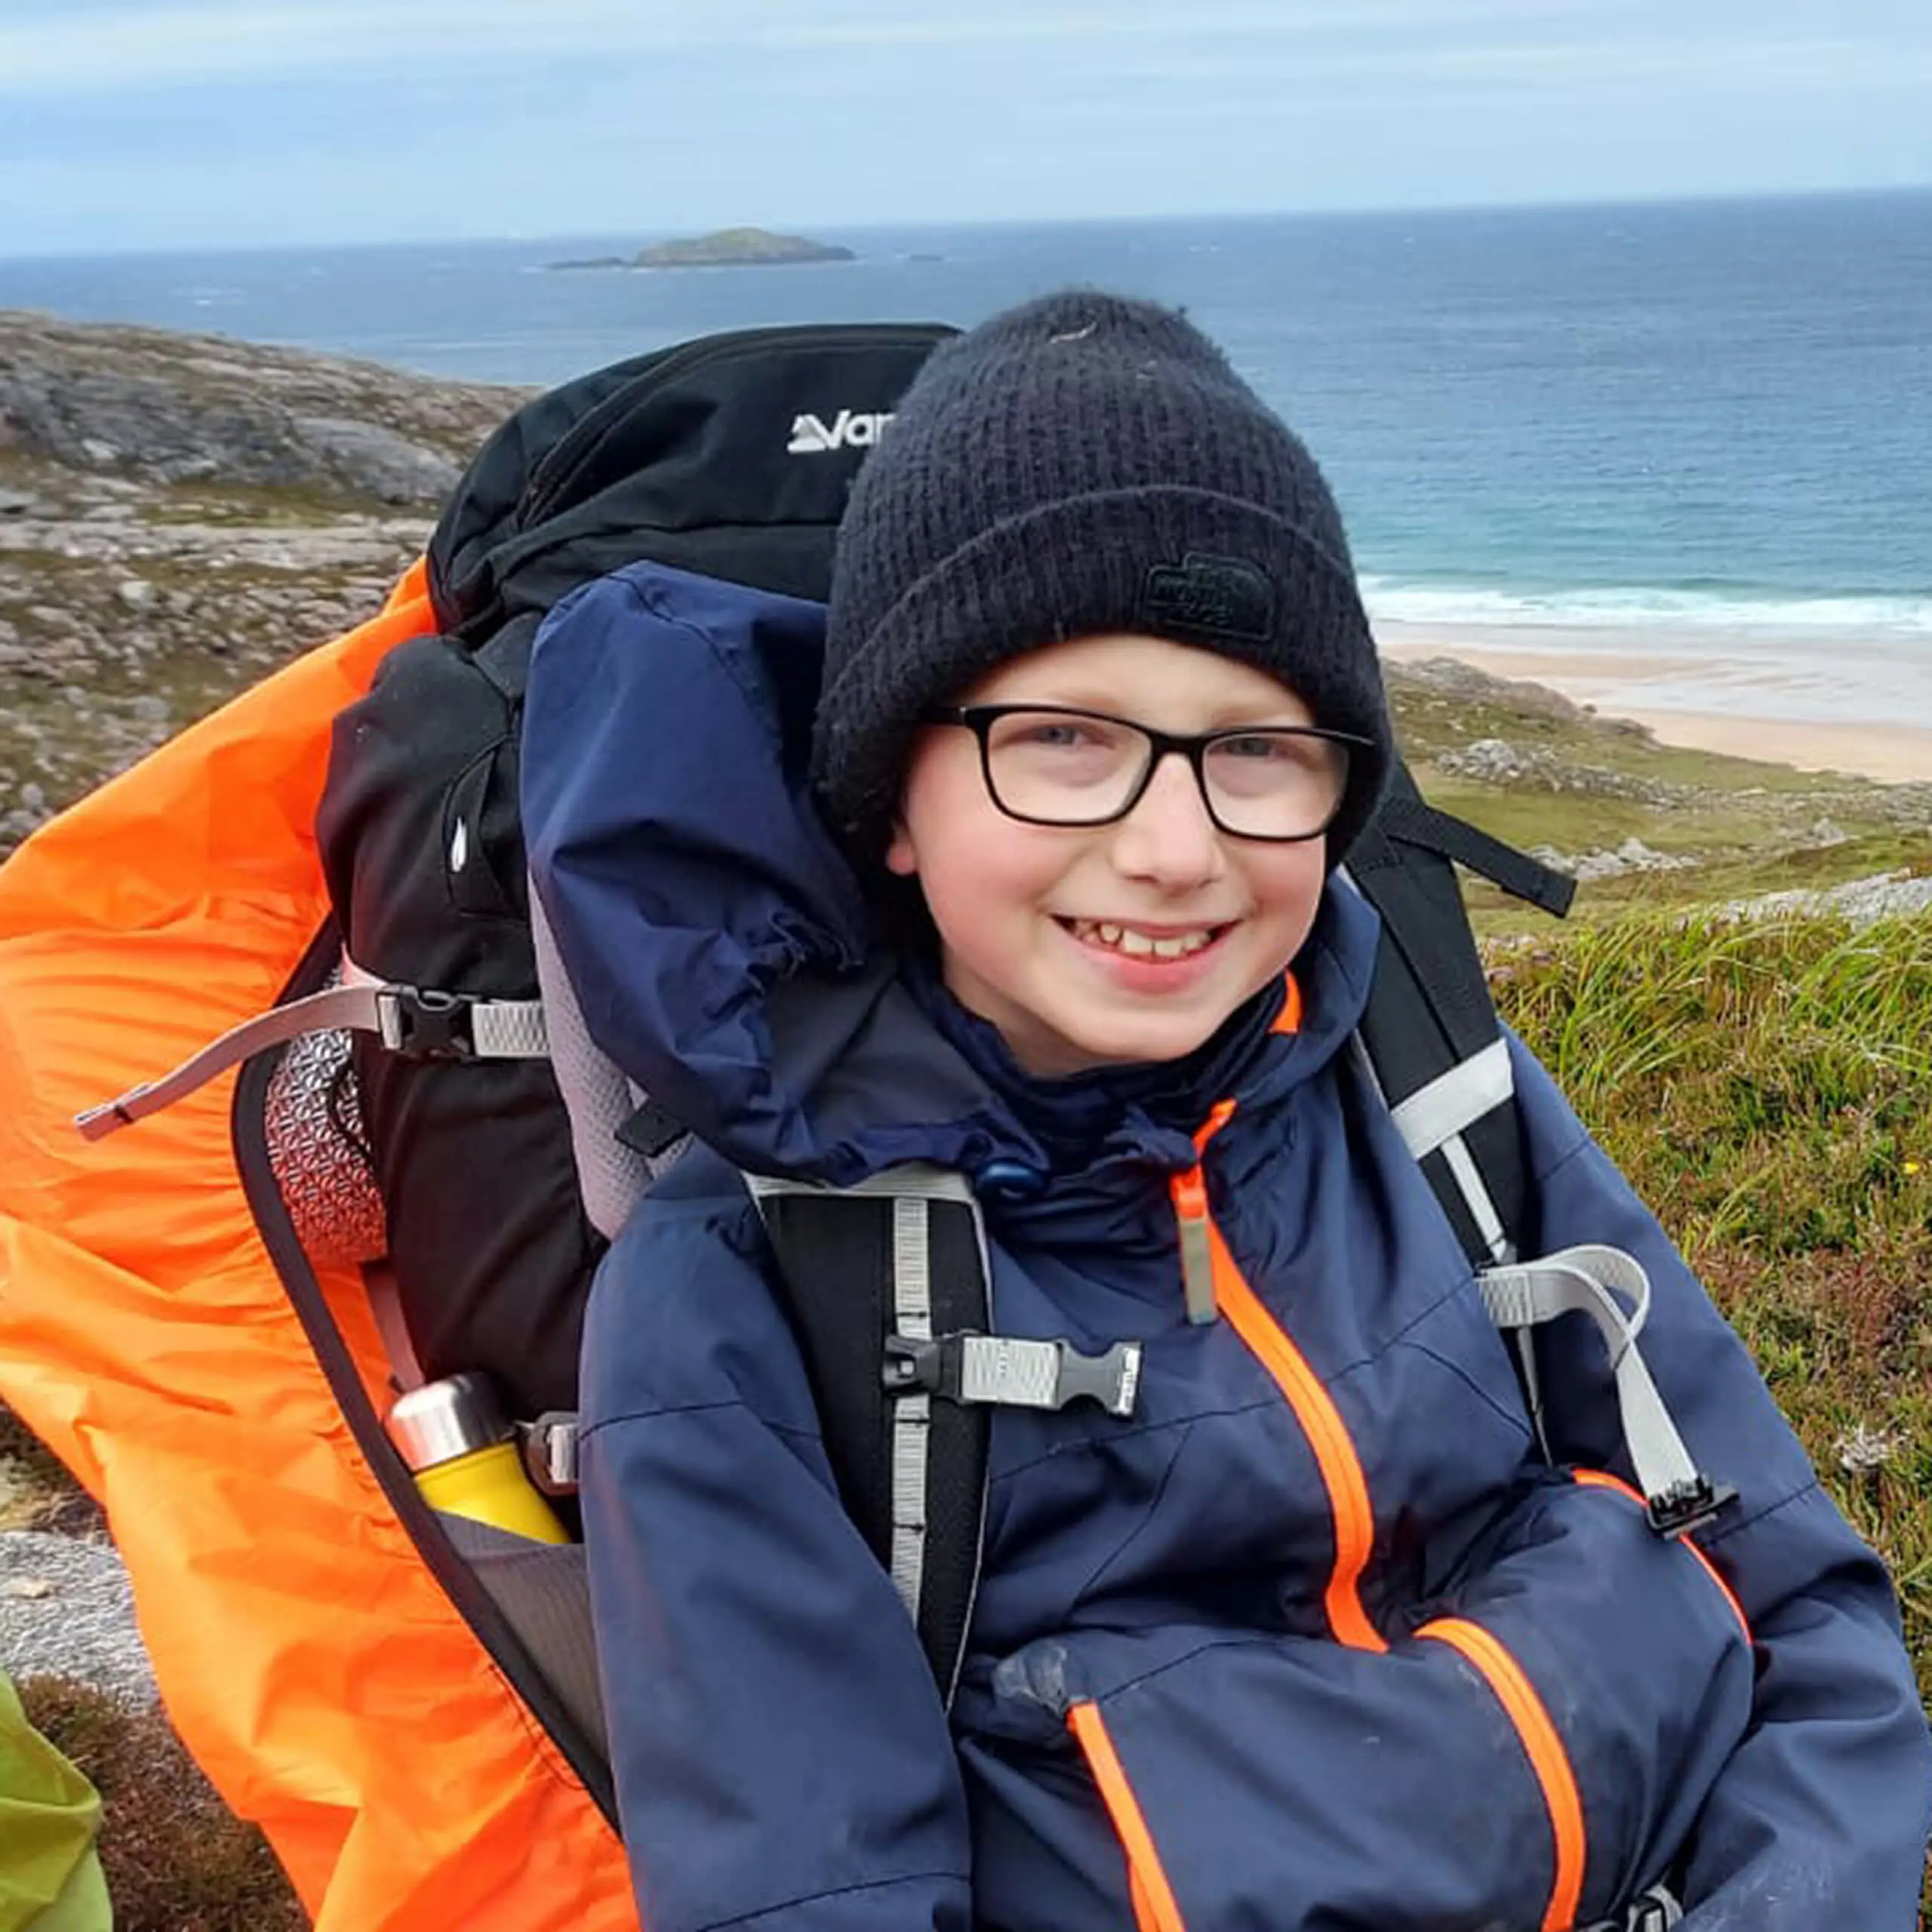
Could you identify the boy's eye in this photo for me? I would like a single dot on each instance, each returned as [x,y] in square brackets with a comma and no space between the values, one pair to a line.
[1053,734]
[1262,745]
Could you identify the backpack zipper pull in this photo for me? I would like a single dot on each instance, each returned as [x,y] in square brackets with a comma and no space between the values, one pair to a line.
[1189,1191]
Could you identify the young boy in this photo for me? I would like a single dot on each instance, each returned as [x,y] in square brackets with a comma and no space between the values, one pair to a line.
[1315,1637]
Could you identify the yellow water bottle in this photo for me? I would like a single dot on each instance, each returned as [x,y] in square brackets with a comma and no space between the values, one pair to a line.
[462,1450]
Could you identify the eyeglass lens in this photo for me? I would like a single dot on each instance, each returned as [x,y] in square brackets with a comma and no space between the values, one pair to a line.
[1073,769]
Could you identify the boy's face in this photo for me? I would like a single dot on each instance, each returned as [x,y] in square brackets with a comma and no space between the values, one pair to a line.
[1020,907]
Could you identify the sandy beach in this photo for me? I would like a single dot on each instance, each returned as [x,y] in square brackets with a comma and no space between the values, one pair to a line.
[1727,694]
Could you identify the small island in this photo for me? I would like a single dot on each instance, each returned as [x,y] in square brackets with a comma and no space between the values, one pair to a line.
[724,248]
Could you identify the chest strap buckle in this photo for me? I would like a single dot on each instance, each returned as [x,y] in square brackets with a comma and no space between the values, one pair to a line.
[1006,1372]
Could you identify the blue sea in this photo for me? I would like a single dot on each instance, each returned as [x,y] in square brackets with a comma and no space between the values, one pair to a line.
[1702,430]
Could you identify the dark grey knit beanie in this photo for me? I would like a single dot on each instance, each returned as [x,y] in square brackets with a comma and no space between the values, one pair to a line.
[1082,464]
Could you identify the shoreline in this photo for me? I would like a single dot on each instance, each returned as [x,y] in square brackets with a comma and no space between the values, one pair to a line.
[1720,693]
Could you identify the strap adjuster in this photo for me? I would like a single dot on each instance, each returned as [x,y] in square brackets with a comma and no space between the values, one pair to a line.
[549,1451]
[1007,1372]
[1688,1505]
[426,1021]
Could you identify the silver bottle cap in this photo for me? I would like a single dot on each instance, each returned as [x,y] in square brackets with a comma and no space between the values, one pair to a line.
[445,1420]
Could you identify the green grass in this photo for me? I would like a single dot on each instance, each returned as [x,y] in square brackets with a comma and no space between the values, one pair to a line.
[1764,1088]
[175,1859]
[266,506]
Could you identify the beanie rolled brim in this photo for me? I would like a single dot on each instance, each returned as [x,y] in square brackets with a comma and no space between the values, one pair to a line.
[1106,562]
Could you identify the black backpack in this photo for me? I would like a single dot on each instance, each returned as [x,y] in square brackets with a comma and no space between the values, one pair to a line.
[686,457]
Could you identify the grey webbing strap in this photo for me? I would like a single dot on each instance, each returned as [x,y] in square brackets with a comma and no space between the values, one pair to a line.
[1474,1191]
[1434,1118]
[379,1283]
[1587,1280]
[496,1029]
[1431,1120]
[407,1019]
[320,1013]
[912,1414]
[912,1190]
[1455,1100]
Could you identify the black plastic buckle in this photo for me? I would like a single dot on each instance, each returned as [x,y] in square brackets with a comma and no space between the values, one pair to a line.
[934,1366]
[1688,1505]
[428,1023]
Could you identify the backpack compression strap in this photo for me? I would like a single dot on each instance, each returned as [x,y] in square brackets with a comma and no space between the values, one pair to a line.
[408,1019]
[1429,1039]
[1431,1045]
[889,1291]
[1588,1280]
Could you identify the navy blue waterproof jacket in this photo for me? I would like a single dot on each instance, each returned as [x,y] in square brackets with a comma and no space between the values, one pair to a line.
[1314,1639]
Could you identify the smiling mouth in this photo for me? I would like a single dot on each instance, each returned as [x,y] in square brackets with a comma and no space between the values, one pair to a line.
[1133,943]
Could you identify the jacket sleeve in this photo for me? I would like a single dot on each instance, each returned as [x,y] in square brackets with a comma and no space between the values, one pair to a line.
[1528,1753]
[1821,1815]
[782,1758]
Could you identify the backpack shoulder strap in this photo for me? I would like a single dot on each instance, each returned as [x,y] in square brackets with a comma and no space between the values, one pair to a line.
[858,1268]
[889,1291]
[1429,1042]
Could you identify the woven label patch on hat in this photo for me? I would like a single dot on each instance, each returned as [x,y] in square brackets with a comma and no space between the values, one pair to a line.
[1205,596]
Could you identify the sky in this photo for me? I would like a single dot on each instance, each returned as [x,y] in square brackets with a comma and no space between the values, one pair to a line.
[193,124]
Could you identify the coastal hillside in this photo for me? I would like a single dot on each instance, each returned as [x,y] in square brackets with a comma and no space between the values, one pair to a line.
[1741,1005]
[180,514]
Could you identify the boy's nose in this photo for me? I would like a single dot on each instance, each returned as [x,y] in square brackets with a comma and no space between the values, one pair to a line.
[1168,836]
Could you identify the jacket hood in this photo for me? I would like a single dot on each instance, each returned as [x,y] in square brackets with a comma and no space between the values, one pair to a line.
[728,960]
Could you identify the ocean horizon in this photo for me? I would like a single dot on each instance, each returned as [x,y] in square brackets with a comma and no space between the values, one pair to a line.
[1706,423]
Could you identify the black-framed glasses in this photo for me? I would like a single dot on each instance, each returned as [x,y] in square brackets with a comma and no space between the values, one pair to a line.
[1052,765]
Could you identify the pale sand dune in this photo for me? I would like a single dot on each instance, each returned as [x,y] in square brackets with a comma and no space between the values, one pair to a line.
[1623,678]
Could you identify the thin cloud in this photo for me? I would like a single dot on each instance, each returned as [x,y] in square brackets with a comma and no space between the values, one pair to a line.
[119,47]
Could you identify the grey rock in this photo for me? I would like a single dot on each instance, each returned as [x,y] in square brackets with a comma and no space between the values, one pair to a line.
[135,592]
[1496,761]
[1632,856]
[122,404]
[1885,896]
[15,502]
[378,462]
[66,1610]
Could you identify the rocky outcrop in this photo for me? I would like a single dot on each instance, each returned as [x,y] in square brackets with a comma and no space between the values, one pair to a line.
[179,515]
[171,409]
[1497,762]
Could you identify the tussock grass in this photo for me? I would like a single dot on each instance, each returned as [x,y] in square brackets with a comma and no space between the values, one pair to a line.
[1767,1089]
[174,1858]
[36,1492]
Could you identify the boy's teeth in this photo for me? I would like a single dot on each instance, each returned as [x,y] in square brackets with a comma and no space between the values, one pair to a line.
[1139,945]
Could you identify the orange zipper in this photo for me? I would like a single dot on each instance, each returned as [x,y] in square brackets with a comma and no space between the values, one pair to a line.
[1543,1747]
[1212,1281]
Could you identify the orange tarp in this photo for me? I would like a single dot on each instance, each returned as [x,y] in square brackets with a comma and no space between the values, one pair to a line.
[304,1654]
